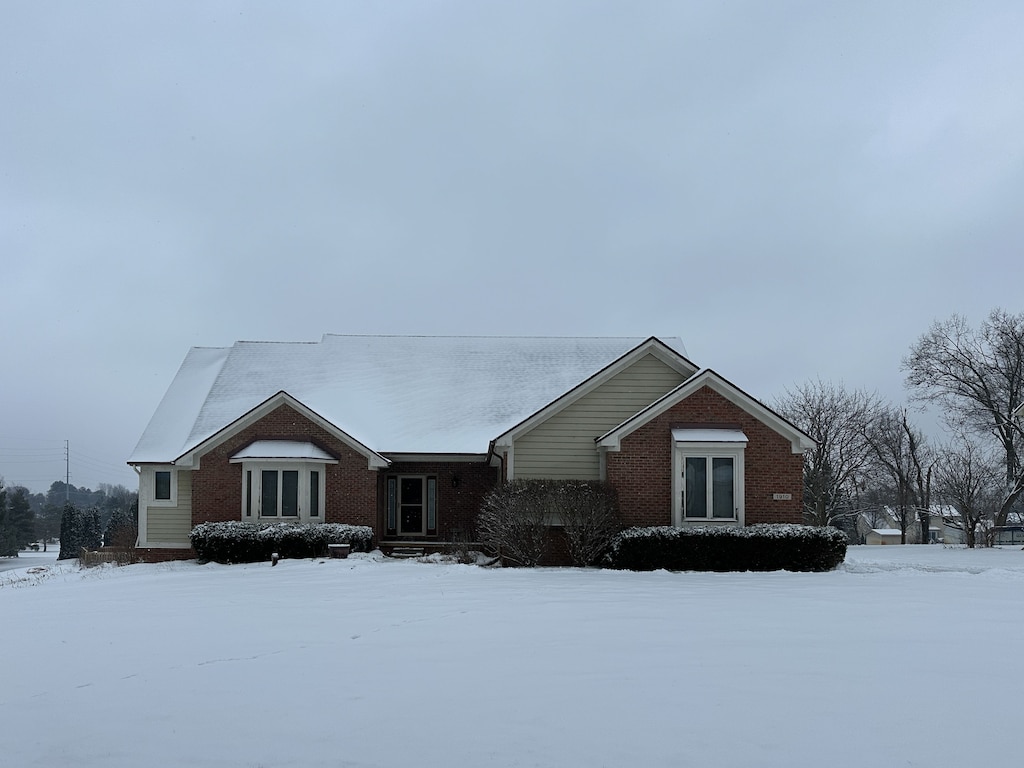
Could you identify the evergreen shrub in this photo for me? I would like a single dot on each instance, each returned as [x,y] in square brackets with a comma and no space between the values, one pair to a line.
[79,529]
[762,547]
[241,542]
[121,531]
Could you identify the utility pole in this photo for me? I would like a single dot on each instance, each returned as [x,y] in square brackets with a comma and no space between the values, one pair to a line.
[67,472]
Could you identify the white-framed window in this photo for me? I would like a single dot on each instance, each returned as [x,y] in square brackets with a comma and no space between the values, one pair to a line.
[283,491]
[163,487]
[708,476]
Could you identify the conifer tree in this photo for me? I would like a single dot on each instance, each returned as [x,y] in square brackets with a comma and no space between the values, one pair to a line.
[21,518]
[121,530]
[7,546]
[70,532]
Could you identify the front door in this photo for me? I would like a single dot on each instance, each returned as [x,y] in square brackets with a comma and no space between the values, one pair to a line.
[411,517]
[412,508]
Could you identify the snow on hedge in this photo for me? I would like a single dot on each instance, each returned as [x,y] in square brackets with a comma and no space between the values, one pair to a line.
[243,542]
[761,547]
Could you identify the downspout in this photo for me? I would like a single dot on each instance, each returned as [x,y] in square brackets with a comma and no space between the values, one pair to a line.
[491,453]
[141,519]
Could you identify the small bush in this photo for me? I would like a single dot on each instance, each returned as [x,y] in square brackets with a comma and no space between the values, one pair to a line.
[241,542]
[762,547]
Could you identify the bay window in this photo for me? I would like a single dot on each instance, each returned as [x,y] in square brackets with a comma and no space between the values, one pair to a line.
[283,481]
[284,492]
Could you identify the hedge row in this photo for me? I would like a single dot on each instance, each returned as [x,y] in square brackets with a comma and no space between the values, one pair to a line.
[241,542]
[762,547]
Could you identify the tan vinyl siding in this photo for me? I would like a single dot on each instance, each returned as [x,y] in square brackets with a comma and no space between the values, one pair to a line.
[172,525]
[562,447]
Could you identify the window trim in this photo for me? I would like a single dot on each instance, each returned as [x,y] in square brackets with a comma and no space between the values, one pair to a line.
[710,450]
[152,500]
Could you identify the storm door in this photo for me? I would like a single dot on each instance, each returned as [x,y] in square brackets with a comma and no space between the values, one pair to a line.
[412,505]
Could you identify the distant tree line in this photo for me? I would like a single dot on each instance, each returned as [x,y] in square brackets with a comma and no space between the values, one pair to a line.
[26,517]
[873,463]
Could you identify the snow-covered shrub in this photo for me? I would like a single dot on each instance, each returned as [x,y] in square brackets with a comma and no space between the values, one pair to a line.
[762,547]
[92,530]
[122,530]
[78,530]
[242,542]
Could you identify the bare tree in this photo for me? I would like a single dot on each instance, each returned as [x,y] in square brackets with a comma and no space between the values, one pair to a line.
[590,517]
[837,419]
[900,455]
[514,520]
[968,478]
[977,377]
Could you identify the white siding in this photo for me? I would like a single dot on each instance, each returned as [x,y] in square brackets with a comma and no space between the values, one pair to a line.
[562,447]
[171,525]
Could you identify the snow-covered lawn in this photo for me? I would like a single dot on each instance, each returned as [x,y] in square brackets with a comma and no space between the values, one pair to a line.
[906,656]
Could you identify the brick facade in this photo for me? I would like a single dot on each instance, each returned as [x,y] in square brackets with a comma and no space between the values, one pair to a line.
[355,494]
[461,487]
[163,554]
[642,470]
[351,486]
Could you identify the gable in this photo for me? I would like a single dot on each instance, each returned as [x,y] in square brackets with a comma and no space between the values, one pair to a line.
[799,440]
[652,347]
[287,418]
[562,445]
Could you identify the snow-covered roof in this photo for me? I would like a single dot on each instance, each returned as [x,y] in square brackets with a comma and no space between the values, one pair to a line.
[282,449]
[886,531]
[709,436]
[429,394]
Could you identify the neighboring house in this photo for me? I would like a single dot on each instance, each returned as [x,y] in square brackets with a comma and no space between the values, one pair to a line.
[407,435]
[882,527]
[944,525]
[1008,536]
[883,536]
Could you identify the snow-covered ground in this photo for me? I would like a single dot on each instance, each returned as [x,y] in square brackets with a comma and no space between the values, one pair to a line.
[906,656]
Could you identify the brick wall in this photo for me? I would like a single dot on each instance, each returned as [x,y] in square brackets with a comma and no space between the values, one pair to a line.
[642,470]
[461,487]
[163,555]
[350,486]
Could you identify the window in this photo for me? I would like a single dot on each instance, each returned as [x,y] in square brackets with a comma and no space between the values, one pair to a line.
[709,494]
[280,494]
[163,488]
[163,485]
[284,492]
[283,480]
[708,476]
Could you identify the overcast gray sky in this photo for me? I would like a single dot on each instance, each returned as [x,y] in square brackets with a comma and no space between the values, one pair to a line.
[796,189]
